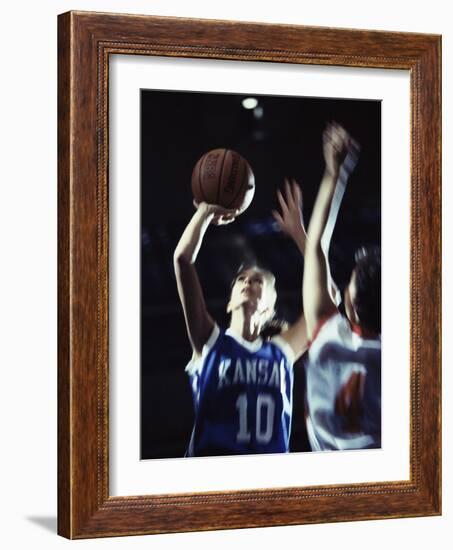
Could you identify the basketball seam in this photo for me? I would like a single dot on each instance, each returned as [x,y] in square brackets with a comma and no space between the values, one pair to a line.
[242,184]
[199,179]
[221,175]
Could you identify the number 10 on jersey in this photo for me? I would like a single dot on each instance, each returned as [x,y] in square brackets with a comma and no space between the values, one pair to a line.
[265,410]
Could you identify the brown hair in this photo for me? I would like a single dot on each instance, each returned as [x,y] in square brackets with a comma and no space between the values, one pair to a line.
[367,301]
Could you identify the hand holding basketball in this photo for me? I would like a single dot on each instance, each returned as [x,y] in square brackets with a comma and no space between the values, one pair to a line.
[222,177]
[220,215]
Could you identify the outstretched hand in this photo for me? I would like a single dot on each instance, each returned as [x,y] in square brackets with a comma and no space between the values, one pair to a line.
[336,145]
[291,219]
[220,215]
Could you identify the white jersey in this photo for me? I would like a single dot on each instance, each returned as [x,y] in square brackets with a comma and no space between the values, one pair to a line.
[336,353]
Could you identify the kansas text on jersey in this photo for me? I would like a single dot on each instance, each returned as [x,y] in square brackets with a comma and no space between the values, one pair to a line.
[242,394]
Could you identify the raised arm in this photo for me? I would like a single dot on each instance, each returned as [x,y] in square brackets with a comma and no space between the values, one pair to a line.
[345,170]
[198,321]
[318,287]
[291,222]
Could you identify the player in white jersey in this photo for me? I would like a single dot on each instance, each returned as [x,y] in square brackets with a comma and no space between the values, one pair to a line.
[241,382]
[344,358]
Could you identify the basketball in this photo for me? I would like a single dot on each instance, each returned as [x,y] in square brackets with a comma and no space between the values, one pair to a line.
[223,177]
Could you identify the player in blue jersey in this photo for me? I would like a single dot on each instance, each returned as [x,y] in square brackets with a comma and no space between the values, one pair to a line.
[241,381]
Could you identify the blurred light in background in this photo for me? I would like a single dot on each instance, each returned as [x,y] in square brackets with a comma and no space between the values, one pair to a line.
[249,103]
[258,112]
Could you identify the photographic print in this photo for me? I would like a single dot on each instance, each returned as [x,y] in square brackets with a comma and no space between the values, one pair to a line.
[260,274]
[248,328]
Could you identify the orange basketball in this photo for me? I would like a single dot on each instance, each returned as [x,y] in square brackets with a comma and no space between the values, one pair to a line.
[223,177]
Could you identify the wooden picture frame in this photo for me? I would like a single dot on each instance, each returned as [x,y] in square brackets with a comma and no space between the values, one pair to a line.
[85,41]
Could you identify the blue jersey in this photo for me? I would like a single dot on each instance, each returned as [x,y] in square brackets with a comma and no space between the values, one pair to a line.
[242,394]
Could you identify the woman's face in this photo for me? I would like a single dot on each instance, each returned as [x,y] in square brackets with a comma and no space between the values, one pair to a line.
[251,289]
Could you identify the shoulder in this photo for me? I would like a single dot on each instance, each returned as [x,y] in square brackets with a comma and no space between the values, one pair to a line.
[334,330]
[216,333]
[328,324]
[196,362]
[280,343]
[337,329]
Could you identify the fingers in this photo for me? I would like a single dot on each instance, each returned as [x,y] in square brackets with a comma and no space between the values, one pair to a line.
[226,221]
[289,194]
[221,211]
[218,210]
[222,220]
[290,220]
[354,146]
[282,202]
[337,136]
[200,205]
[293,196]
[278,218]
[290,200]
[220,215]
[297,192]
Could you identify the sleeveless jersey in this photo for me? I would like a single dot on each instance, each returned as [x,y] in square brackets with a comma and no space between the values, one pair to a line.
[336,353]
[242,394]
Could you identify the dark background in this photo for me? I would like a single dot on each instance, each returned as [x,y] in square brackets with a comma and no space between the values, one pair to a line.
[177,128]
